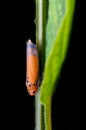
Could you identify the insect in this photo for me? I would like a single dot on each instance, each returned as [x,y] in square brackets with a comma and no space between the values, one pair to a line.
[32,68]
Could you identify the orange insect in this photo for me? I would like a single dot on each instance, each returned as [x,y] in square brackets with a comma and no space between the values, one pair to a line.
[32,68]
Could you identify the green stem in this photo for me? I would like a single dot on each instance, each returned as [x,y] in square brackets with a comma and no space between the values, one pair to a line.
[39,113]
[40,31]
[40,40]
[43,113]
[47,114]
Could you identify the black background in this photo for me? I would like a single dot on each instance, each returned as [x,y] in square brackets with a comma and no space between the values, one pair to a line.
[18,107]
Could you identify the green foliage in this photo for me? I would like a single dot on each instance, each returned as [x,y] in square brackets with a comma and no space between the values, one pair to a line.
[56,12]
[59,23]
[60,15]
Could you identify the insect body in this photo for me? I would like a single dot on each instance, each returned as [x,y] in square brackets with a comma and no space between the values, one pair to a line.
[32,68]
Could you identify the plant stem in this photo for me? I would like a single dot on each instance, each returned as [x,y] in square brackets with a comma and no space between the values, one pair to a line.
[47,114]
[39,113]
[43,112]
[40,31]
[40,40]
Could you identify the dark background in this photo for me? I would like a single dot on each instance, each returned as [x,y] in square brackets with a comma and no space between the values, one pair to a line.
[18,110]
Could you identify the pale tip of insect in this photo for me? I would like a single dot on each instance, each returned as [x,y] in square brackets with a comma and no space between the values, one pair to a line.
[29,41]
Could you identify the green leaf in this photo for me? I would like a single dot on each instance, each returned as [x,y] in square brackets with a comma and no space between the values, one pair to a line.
[60,16]
[55,15]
